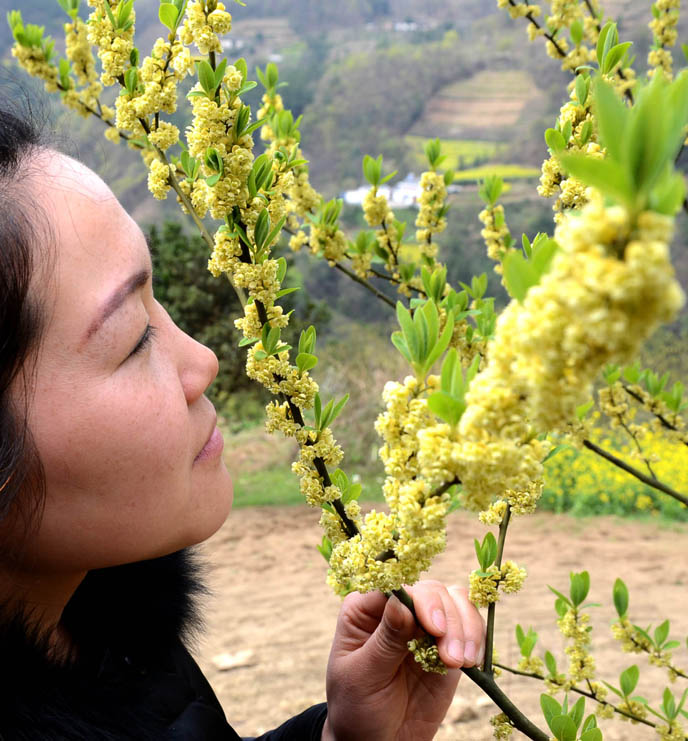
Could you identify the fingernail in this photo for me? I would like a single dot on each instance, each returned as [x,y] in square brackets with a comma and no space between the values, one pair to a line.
[439,620]
[455,650]
[481,655]
[469,653]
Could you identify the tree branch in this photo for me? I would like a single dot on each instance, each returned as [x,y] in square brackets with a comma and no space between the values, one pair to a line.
[489,631]
[650,481]
[585,693]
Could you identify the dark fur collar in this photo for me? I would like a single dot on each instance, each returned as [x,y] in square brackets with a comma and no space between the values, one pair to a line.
[123,620]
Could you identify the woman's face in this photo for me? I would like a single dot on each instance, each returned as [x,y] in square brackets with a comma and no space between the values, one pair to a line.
[128,442]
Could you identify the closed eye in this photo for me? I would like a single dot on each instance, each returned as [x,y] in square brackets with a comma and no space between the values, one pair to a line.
[146,339]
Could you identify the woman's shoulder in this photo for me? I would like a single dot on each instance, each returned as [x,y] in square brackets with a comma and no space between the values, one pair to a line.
[131,676]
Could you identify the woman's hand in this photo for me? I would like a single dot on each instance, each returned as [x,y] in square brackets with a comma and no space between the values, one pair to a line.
[375,689]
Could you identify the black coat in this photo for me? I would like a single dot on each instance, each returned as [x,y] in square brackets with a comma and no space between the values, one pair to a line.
[133,678]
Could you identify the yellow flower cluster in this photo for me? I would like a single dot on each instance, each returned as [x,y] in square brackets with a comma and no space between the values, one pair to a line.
[553,181]
[114,45]
[531,664]
[502,726]
[485,586]
[575,626]
[376,209]
[664,30]
[635,708]
[158,179]
[563,13]
[593,307]
[202,25]
[33,60]
[405,416]
[519,10]
[78,51]
[425,653]
[658,408]
[213,127]
[674,732]
[392,549]
[495,234]
[328,241]
[429,221]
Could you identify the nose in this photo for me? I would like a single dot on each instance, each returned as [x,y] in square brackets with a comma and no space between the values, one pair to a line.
[198,368]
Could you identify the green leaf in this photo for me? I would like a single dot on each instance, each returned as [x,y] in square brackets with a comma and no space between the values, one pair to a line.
[260,231]
[168,14]
[661,633]
[206,76]
[609,177]
[592,734]
[336,411]
[275,231]
[582,88]
[400,343]
[442,343]
[317,409]
[615,55]
[550,663]
[306,361]
[586,132]
[564,728]
[628,679]
[519,275]
[669,704]
[220,72]
[580,586]
[410,332]
[550,708]
[607,38]
[612,117]
[577,32]
[109,14]
[555,140]
[577,711]
[558,594]
[620,595]
[447,408]
[248,341]
[325,548]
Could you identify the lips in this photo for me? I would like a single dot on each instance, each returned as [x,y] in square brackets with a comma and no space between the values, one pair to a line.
[213,445]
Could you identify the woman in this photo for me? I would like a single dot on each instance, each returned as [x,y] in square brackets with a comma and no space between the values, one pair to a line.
[110,468]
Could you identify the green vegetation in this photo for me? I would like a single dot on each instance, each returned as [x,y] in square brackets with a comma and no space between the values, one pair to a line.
[460,153]
[506,172]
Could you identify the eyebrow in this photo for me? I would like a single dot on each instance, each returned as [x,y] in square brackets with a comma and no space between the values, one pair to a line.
[118,298]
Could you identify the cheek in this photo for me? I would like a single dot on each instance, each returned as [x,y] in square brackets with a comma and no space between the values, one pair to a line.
[124,437]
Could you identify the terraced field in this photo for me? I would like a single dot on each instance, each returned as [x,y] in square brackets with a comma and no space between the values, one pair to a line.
[483,107]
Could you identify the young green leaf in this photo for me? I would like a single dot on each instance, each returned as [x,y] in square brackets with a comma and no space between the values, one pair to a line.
[620,595]
[580,586]
[629,679]
[168,14]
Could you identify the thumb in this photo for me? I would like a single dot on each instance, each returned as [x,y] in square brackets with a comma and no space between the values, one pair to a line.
[387,647]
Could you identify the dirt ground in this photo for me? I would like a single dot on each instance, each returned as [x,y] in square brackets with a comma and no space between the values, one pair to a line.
[271,616]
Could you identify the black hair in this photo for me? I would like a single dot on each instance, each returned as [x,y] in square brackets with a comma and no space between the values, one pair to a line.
[22,235]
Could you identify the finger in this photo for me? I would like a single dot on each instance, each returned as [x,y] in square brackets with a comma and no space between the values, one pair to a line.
[473,626]
[358,619]
[429,597]
[387,648]
[430,606]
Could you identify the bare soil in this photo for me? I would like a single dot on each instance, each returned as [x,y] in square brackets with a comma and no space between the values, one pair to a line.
[271,617]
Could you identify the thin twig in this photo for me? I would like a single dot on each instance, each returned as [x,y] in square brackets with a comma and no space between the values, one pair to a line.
[663,420]
[650,481]
[489,631]
[384,298]
[585,693]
